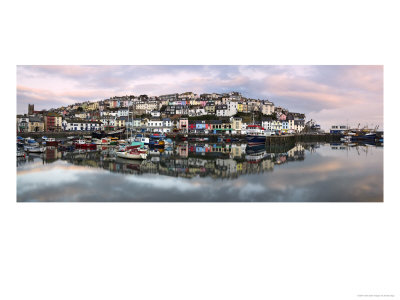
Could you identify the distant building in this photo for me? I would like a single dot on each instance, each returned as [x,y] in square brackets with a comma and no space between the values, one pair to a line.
[35,124]
[339,129]
[31,109]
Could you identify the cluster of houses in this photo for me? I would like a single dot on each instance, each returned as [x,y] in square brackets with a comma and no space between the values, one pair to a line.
[186,112]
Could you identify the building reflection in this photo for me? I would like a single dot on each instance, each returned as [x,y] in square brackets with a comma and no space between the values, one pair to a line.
[227,161]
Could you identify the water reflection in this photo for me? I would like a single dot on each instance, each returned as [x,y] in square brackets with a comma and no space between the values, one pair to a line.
[187,172]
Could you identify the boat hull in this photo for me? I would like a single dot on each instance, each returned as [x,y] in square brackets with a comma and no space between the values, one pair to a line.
[51,143]
[35,149]
[364,137]
[131,155]
[86,146]
[253,140]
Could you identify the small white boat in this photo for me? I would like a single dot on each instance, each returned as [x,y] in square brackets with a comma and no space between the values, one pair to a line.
[34,149]
[132,154]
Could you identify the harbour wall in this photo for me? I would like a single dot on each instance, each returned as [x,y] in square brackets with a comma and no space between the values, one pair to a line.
[283,139]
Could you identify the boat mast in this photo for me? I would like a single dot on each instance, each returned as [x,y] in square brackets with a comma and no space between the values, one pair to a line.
[127,135]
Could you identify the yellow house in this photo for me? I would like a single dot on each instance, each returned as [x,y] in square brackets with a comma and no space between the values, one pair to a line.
[92,106]
[240,107]
[120,122]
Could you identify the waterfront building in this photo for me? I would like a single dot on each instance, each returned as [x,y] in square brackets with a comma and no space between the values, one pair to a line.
[200,125]
[36,124]
[81,125]
[236,125]
[167,122]
[285,126]
[22,123]
[267,123]
[52,122]
[155,125]
[298,125]
[120,122]
[276,125]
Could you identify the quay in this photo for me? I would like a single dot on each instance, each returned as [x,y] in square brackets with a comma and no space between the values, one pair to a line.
[271,140]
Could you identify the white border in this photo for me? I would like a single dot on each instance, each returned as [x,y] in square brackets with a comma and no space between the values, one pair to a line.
[199,251]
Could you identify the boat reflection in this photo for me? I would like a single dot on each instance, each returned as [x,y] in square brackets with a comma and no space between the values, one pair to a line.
[190,160]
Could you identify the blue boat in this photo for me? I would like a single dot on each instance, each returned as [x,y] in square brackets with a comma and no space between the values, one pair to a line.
[158,136]
[157,143]
[367,136]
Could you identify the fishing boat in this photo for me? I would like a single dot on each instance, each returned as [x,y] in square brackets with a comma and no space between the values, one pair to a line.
[132,154]
[256,135]
[364,136]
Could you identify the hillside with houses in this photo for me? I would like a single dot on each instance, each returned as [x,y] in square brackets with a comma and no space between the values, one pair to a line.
[186,113]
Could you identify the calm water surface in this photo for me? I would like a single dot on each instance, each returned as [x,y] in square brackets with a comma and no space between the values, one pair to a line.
[211,172]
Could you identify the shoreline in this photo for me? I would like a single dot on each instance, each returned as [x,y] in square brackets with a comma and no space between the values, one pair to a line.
[282,139]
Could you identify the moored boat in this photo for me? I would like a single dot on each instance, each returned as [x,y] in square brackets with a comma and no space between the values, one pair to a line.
[132,154]
[256,135]
[51,142]
[82,144]
[157,143]
[31,142]
[34,149]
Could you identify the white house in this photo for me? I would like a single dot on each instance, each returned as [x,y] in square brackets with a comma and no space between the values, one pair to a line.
[122,112]
[155,125]
[267,108]
[81,125]
[108,121]
[226,110]
[167,122]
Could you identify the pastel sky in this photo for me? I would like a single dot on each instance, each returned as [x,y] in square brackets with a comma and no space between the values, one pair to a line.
[327,94]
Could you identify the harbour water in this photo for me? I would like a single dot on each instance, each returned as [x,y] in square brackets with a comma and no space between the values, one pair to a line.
[303,172]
